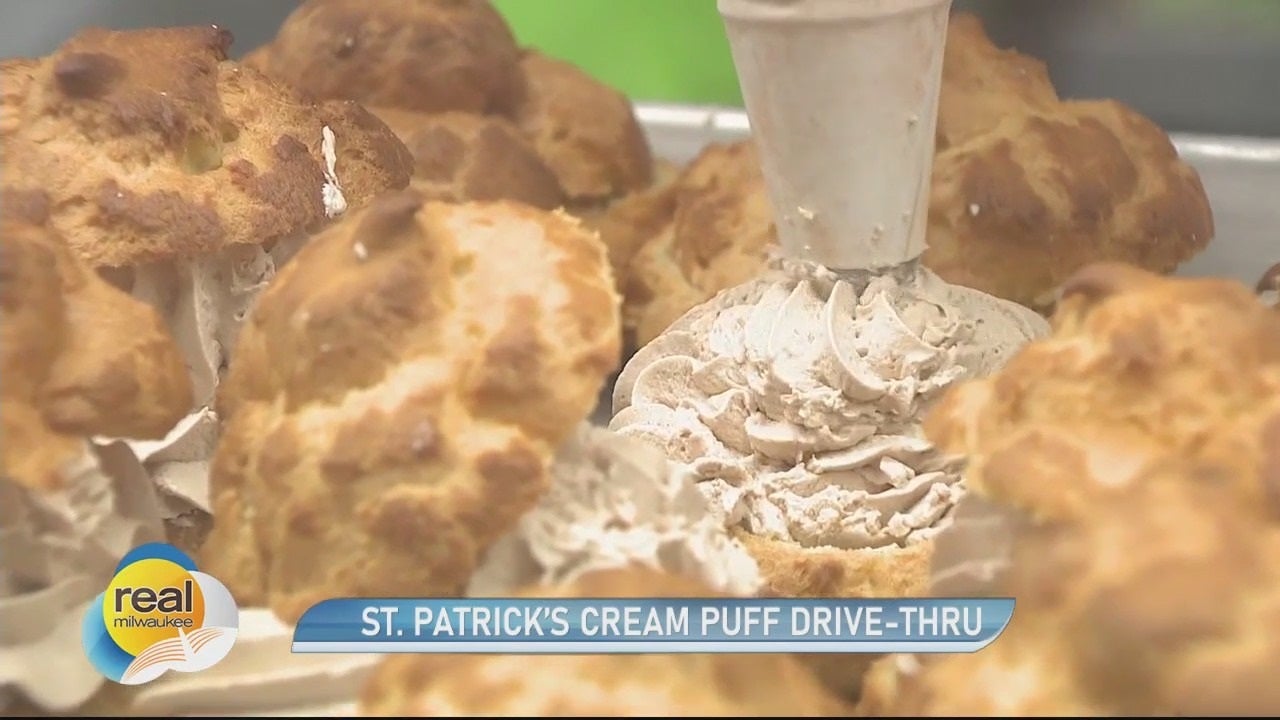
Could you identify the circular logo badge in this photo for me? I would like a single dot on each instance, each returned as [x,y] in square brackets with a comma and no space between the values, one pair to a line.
[159,613]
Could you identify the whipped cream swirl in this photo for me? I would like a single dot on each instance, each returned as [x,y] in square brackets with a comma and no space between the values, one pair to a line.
[615,502]
[796,398]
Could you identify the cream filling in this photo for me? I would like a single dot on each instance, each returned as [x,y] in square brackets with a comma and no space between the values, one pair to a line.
[204,303]
[613,503]
[796,399]
[262,677]
[60,549]
[334,202]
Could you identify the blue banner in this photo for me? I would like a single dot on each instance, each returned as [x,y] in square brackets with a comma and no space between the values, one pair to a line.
[651,625]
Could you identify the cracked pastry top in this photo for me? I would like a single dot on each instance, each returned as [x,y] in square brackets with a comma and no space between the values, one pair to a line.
[585,130]
[425,56]
[146,145]
[80,359]
[1153,604]
[186,180]
[1128,468]
[707,229]
[463,156]
[1028,187]
[421,59]
[1138,367]
[385,426]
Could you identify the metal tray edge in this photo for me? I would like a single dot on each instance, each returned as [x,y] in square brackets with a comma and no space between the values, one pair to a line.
[731,123]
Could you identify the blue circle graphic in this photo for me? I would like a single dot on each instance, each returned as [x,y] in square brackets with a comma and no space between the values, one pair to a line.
[102,651]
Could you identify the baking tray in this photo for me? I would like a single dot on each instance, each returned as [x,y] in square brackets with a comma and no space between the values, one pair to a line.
[1241,177]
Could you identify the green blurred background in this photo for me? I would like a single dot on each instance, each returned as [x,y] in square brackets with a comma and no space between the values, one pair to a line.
[673,50]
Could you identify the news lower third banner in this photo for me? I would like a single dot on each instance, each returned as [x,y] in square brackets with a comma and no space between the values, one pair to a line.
[651,625]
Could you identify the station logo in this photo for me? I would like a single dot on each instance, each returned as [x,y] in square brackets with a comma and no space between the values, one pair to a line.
[158,614]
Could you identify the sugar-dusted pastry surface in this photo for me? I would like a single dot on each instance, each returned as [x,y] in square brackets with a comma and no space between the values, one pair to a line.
[426,56]
[1139,368]
[1129,482]
[80,358]
[1154,604]
[397,396]
[136,158]
[465,156]
[485,118]
[187,183]
[1028,187]
[708,229]
[585,130]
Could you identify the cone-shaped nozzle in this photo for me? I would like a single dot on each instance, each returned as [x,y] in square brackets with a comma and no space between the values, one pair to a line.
[843,101]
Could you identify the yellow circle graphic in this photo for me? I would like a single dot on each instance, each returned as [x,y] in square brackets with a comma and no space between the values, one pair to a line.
[150,601]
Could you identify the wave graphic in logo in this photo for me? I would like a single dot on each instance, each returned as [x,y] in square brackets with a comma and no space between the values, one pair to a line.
[159,613]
